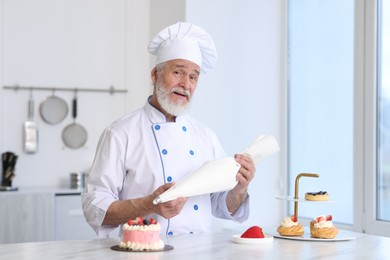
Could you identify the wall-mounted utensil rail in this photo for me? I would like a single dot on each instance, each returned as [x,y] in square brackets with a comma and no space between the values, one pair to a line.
[110,90]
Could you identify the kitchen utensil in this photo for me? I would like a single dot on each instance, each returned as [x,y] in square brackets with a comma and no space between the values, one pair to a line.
[218,175]
[9,161]
[77,180]
[252,241]
[74,135]
[30,129]
[53,109]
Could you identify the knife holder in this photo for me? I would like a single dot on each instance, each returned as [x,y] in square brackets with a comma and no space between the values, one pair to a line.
[8,161]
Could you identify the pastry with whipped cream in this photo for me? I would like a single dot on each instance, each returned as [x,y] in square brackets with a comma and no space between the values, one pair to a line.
[322,227]
[290,227]
[141,235]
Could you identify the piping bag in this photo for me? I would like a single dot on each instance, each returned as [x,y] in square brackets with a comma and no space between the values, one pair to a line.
[218,175]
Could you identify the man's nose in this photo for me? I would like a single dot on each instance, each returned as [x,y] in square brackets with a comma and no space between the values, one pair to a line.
[185,83]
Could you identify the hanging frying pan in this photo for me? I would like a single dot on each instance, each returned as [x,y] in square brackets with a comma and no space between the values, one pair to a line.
[74,135]
[53,109]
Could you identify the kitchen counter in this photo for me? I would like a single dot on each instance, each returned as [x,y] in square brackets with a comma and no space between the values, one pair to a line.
[207,246]
[40,190]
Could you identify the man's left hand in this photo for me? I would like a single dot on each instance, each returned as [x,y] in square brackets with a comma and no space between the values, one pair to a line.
[245,173]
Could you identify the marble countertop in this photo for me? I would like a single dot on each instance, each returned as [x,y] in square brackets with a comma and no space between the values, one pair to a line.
[207,246]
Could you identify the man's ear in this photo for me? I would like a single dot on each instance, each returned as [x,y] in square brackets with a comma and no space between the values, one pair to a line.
[153,75]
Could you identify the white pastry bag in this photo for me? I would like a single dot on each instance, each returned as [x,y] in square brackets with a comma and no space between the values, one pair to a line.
[218,175]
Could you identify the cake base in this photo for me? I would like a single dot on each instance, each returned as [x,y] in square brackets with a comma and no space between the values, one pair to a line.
[165,248]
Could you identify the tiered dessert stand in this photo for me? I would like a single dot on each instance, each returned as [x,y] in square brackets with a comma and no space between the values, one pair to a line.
[296,199]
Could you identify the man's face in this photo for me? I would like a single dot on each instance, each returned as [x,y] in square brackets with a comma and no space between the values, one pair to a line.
[176,84]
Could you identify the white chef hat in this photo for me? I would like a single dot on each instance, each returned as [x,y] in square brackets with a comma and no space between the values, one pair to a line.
[184,41]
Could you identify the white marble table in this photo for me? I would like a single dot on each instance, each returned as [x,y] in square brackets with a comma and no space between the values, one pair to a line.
[206,246]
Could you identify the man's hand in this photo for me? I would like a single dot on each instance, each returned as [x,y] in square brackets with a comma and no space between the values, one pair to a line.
[167,209]
[245,174]
[122,210]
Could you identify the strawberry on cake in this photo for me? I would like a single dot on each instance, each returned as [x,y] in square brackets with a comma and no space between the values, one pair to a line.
[141,234]
[290,227]
[322,227]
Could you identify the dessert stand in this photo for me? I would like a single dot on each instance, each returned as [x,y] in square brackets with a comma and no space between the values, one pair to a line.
[342,236]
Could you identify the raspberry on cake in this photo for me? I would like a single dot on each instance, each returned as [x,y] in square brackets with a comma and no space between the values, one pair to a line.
[290,227]
[141,234]
[322,227]
[317,196]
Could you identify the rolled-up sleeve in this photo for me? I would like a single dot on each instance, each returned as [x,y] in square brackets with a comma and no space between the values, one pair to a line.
[220,210]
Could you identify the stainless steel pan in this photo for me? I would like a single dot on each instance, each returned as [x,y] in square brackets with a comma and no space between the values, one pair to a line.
[53,110]
[74,135]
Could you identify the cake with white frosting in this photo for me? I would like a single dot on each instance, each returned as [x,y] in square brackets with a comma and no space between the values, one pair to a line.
[141,235]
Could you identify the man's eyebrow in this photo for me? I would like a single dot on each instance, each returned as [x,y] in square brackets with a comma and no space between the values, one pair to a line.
[180,66]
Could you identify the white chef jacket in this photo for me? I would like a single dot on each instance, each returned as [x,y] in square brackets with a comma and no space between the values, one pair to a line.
[140,152]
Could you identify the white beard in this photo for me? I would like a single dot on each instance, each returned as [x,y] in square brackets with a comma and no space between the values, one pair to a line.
[170,107]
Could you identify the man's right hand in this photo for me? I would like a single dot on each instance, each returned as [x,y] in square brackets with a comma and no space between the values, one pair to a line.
[167,209]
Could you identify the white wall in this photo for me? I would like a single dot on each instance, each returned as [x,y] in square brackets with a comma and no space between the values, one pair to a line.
[243,96]
[240,99]
[83,44]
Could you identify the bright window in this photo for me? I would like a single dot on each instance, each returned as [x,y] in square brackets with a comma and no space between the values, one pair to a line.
[383,101]
[321,67]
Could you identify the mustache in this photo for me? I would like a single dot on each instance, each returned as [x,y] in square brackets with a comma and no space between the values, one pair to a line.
[181,91]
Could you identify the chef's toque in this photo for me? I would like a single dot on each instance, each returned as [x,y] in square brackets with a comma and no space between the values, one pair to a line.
[184,41]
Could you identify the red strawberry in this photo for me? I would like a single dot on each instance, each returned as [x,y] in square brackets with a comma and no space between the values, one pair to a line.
[139,221]
[294,218]
[131,222]
[321,218]
[253,232]
[329,218]
[152,221]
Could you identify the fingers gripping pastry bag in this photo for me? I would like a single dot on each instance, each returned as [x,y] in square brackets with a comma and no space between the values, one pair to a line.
[220,174]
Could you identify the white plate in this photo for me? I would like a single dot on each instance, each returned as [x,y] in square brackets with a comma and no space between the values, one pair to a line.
[291,198]
[238,239]
[342,236]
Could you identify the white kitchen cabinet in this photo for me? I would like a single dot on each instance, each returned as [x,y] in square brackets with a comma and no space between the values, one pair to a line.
[36,215]
[26,216]
[70,223]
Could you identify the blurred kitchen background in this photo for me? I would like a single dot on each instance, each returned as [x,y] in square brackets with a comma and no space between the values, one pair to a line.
[293,69]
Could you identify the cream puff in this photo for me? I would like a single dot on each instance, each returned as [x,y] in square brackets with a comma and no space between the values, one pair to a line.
[290,227]
[322,227]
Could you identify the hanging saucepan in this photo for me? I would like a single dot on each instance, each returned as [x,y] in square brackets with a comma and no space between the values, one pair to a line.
[74,135]
[53,109]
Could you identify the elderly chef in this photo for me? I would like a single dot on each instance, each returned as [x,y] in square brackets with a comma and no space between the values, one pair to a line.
[143,154]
